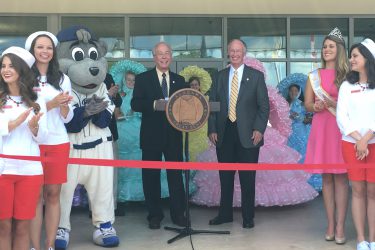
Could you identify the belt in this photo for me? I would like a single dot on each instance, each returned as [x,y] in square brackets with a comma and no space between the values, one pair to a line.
[92,144]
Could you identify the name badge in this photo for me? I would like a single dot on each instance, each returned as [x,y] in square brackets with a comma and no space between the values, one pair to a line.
[355,91]
[7,107]
[37,89]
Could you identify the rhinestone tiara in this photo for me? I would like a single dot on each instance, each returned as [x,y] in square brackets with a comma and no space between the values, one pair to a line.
[337,33]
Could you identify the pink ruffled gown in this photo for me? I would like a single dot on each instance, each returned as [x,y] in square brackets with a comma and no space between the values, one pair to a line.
[273,188]
[324,143]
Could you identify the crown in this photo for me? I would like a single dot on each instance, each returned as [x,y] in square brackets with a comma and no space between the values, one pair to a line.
[337,33]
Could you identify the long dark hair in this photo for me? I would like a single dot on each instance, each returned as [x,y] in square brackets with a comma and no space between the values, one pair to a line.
[301,96]
[191,79]
[353,76]
[54,75]
[26,83]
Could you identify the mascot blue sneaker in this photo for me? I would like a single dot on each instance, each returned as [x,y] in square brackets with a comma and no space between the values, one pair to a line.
[62,239]
[81,58]
[105,236]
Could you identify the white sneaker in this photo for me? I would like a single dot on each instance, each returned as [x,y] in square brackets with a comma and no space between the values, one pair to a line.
[372,245]
[363,245]
[106,236]
[50,248]
[62,239]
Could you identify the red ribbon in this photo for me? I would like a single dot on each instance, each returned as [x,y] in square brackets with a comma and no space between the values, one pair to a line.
[190,165]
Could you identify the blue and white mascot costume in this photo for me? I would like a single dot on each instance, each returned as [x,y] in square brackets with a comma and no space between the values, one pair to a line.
[81,57]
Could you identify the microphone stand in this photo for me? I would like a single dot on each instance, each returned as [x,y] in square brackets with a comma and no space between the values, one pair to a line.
[187,230]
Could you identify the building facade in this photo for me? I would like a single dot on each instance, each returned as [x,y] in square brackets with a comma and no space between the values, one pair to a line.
[285,35]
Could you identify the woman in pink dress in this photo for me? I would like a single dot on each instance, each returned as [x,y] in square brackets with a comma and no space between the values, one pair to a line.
[324,143]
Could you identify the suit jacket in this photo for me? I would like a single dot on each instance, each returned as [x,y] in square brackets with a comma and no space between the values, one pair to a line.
[156,132]
[252,106]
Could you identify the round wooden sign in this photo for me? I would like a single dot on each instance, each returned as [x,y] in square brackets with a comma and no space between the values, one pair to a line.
[187,110]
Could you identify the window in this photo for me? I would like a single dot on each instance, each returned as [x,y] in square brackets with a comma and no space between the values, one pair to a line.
[303,67]
[364,28]
[111,30]
[307,34]
[264,37]
[306,39]
[189,37]
[15,29]
[275,72]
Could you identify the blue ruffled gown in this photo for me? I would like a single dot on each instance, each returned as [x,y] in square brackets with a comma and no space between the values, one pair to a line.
[129,179]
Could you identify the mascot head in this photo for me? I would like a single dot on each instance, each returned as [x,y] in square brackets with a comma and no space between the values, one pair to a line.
[81,57]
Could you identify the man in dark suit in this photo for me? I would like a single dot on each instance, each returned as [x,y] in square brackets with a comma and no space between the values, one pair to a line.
[237,130]
[158,137]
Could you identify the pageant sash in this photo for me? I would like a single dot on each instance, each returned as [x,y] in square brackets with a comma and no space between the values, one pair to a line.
[316,85]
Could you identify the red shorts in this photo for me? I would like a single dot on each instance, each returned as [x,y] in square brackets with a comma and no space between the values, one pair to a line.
[359,174]
[55,169]
[19,196]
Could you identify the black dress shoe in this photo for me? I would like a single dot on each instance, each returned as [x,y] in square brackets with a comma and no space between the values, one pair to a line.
[219,220]
[248,224]
[154,223]
[180,221]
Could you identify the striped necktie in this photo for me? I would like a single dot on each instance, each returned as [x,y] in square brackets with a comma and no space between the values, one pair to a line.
[233,98]
[164,85]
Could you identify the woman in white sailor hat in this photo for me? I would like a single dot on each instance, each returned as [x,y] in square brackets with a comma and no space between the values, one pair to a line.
[23,114]
[356,120]
[55,88]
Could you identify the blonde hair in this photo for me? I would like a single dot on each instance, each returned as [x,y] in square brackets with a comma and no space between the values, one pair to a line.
[341,63]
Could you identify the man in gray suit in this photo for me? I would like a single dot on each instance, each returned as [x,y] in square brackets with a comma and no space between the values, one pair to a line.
[237,130]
